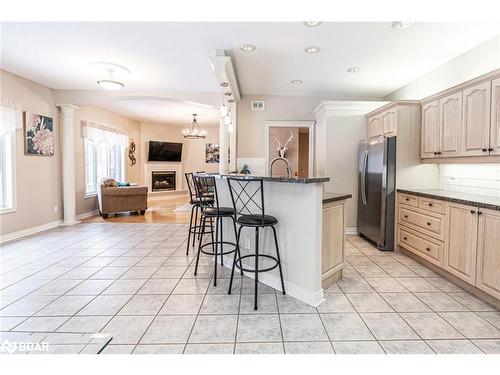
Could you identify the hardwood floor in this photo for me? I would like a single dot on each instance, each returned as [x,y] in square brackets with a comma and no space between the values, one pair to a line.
[160,210]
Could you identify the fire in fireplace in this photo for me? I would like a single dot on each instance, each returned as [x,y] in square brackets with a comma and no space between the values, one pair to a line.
[163,180]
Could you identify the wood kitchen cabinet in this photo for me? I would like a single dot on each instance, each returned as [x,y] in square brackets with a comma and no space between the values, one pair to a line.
[450,125]
[476,120]
[375,127]
[333,242]
[495,118]
[431,134]
[488,252]
[389,122]
[461,242]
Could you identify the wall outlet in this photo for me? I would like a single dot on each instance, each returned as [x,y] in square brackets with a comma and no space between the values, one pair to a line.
[56,209]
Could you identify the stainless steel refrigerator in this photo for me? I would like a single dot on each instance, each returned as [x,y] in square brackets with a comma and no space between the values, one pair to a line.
[377,185]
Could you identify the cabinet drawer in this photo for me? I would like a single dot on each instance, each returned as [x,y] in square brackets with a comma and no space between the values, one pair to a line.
[416,219]
[420,245]
[410,200]
[432,205]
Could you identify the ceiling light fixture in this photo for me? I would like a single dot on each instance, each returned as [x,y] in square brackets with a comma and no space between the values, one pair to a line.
[296,82]
[194,132]
[400,25]
[354,69]
[312,49]
[312,23]
[248,48]
[110,85]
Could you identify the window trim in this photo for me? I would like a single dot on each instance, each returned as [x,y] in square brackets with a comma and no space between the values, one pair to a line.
[12,209]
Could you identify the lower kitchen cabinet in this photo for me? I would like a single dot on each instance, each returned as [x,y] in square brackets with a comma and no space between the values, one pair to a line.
[333,242]
[488,253]
[461,242]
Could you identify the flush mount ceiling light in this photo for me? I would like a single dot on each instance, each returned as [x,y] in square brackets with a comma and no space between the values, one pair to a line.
[194,132]
[312,23]
[296,82]
[400,25]
[110,85]
[248,48]
[312,49]
[354,69]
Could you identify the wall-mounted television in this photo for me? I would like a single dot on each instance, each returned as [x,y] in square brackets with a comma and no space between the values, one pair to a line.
[164,151]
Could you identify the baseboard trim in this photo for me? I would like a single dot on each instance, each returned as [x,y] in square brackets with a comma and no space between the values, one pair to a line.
[313,299]
[87,214]
[29,231]
[351,230]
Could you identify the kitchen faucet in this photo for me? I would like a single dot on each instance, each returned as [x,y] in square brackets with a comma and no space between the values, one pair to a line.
[288,169]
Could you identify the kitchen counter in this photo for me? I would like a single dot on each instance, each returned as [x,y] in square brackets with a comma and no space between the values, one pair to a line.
[483,201]
[333,197]
[285,179]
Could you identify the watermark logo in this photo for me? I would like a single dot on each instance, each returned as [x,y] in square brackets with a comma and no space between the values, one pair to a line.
[10,347]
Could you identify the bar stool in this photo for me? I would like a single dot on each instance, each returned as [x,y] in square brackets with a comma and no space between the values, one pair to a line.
[248,202]
[210,209]
[194,228]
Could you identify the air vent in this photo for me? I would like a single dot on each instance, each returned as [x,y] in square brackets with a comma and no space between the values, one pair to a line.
[258,105]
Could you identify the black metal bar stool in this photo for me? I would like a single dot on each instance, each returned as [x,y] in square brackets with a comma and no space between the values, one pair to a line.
[194,200]
[248,202]
[210,209]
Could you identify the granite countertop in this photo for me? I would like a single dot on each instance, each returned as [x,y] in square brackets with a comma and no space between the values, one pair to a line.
[332,197]
[285,179]
[482,201]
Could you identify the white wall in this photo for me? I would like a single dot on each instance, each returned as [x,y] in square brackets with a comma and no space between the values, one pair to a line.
[473,63]
[483,179]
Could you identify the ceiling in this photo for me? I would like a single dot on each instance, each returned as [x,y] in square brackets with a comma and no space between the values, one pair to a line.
[173,57]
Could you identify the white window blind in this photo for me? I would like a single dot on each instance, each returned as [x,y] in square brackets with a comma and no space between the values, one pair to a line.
[104,155]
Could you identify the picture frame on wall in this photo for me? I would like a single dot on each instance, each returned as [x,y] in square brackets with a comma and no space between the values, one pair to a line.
[38,135]
[211,153]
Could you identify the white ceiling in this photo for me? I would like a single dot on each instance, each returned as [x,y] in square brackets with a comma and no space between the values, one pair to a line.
[173,57]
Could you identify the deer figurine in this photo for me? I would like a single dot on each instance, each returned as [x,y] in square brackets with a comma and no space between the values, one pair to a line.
[282,150]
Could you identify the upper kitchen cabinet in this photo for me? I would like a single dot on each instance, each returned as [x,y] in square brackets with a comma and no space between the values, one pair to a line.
[476,120]
[450,124]
[495,118]
[389,122]
[375,128]
[431,133]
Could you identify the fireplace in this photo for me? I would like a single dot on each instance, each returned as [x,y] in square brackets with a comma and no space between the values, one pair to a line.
[162,180]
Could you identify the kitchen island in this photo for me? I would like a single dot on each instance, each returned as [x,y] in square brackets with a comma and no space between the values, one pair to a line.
[297,203]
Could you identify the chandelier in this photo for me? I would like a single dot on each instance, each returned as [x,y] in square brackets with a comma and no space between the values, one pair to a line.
[194,132]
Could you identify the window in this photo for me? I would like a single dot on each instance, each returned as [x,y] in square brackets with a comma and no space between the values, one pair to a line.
[104,157]
[7,158]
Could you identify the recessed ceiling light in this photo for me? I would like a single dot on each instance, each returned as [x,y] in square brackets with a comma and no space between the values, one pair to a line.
[296,82]
[110,85]
[248,47]
[313,23]
[399,25]
[312,49]
[105,66]
[354,69]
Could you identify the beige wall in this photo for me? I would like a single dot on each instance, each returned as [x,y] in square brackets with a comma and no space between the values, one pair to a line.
[193,150]
[39,187]
[112,120]
[304,154]
[343,136]
[250,142]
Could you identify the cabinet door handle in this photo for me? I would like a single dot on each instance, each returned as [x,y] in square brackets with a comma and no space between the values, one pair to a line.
[439,153]
[430,204]
[406,216]
[428,249]
[485,150]
[404,238]
[479,213]
[429,223]
[490,149]
[407,199]
[435,153]
[472,212]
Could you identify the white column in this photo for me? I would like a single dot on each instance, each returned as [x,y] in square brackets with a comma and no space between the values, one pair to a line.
[68,158]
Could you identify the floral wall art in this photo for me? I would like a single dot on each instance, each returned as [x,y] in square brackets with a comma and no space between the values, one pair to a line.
[38,134]
[211,153]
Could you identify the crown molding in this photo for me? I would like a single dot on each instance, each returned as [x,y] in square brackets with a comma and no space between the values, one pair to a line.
[345,107]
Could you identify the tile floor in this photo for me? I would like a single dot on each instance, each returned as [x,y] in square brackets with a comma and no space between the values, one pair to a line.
[134,282]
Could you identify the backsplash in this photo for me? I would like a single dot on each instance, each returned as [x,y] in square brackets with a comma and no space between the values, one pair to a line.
[481,179]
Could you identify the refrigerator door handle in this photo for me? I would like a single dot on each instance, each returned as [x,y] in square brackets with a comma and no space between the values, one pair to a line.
[363,178]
